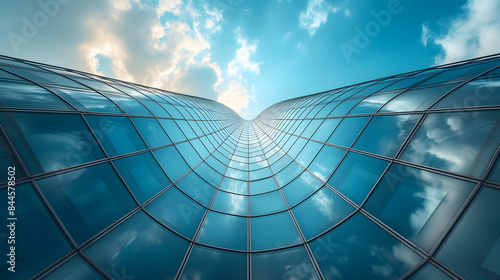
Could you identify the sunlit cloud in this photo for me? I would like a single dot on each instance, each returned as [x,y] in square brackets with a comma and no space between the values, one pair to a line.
[316,14]
[474,33]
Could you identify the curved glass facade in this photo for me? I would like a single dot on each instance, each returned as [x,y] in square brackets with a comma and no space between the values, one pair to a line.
[388,179]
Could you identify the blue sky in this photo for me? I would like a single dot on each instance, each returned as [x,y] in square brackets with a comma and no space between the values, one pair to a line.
[249,54]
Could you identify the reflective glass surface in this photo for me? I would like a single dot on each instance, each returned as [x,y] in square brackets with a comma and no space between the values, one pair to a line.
[394,177]
[138,239]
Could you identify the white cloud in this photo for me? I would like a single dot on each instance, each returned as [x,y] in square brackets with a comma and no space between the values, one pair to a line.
[426,34]
[315,15]
[475,33]
[235,96]
[243,59]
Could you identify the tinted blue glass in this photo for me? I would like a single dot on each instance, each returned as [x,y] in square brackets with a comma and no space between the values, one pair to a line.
[38,138]
[231,203]
[235,186]
[473,248]
[356,176]
[325,162]
[172,162]
[300,188]
[21,95]
[76,268]
[209,263]
[266,203]
[172,130]
[116,134]
[155,108]
[288,173]
[143,175]
[417,99]
[39,242]
[321,211]
[293,263]
[209,174]
[87,200]
[384,135]
[418,204]
[224,231]
[362,250]
[308,153]
[177,211]
[483,91]
[495,171]
[347,131]
[261,186]
[152,132]
[273,231]
[139,240]
[7,159]
[372,103]
[197,188]
[429,272]
[441,135]
[90,101]
[344,107]
[189,154]
[129,105]
[325,129]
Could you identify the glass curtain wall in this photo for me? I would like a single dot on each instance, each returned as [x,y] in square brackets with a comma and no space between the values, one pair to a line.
[388,179]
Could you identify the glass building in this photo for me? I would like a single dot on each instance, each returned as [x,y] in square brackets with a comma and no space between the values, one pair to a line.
[393,178]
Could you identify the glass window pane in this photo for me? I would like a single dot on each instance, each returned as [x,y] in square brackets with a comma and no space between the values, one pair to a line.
[321,211]
[300,188]
[418,204]
[209,263]
[483,91]
[234,186]
[197,188]
[384,135]
[429,272]
[172,130]
[372,103]
[356,176]
[266,203]
[21,95]
[473,248]
[441,135]
[129,105]
[39,242]
[177,211]
[325,129]
[362,250]
[289,173]
[417,99]
[7,159]
[89,101]
[76,268]
[262,186]
[152,132]
[87,200]
[116,134]
[224,231]
[325,162]
[172,162]
[158,251]
[231,203]
[347,131]
[49,142]
[273,231]
[143,175]
[293,263]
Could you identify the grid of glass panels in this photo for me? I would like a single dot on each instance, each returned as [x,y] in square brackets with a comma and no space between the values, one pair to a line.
[388,179]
